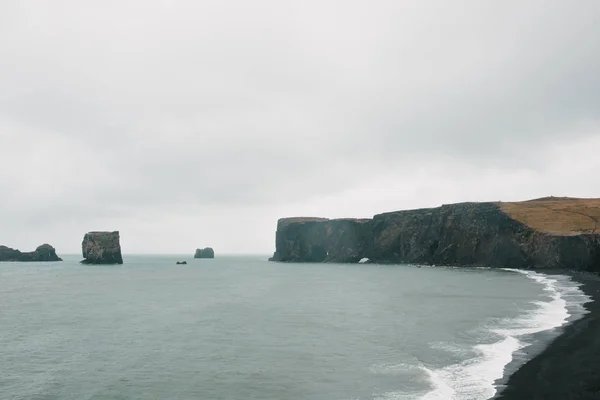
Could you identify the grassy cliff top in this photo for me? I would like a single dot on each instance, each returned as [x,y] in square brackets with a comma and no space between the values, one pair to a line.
[565,216]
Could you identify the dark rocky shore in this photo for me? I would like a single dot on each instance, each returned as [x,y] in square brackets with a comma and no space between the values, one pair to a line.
[569,369]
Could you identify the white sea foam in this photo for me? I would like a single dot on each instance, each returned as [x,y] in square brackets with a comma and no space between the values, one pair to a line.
[474,379]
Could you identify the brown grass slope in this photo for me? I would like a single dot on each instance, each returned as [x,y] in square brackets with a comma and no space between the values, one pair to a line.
[560,216]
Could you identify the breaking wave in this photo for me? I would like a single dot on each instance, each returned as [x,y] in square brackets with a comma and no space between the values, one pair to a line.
[475,378]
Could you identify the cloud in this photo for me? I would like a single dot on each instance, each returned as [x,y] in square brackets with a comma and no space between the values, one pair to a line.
[230,114]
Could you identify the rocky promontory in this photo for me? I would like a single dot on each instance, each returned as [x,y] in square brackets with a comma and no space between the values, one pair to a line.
[322,240]
[543,233]
[206,252]
[101,248]
[44,252]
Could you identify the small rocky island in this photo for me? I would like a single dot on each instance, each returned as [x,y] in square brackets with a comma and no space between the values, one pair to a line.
[207,252]
[101,248]
[550,232]
[44,252]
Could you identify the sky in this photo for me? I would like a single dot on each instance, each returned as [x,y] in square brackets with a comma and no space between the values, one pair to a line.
[187,124]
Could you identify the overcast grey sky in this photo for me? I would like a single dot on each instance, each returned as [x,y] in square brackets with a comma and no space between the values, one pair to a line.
[200,123]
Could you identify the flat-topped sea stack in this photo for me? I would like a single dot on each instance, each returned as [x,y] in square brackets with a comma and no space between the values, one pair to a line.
[44,252]
[206,252]
[101,248]
[549,232]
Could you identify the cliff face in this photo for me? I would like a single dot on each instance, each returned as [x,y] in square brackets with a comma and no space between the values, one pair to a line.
[44,252]
[101,248]
[537,234]
[458,234]
[321,240]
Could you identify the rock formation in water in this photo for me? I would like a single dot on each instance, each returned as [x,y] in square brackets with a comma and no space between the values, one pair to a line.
[101,248]
[207,252]
[321,240]
[542,233]
[44,252]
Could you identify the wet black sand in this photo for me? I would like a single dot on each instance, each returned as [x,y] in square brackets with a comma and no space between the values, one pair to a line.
[569,369]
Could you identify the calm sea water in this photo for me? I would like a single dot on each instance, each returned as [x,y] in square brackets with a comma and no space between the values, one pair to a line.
[243,328]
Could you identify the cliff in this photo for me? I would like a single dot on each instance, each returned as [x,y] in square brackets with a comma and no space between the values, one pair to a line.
[321,240]
[542,233]
[101,248]
[44,252]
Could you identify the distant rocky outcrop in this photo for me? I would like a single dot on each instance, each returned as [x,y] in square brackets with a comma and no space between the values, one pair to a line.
[44,252]
[207,252]
[542,233]
[101,248]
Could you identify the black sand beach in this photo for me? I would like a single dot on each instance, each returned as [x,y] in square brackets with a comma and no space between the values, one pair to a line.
[569,369]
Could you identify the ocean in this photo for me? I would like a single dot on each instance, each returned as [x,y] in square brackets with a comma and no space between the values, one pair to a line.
[244,328]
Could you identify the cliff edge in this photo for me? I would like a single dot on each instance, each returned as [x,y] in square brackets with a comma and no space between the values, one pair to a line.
[542,233]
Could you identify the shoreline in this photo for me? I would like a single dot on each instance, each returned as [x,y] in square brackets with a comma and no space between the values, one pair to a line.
[569,368]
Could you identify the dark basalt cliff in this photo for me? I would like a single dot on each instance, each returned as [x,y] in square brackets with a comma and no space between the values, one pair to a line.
[207,252]
[322,240]
[44,252]
[546,233]
[101,248]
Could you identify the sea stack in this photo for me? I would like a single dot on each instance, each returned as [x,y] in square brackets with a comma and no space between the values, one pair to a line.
[101,248]
[44,252]
[207,252]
